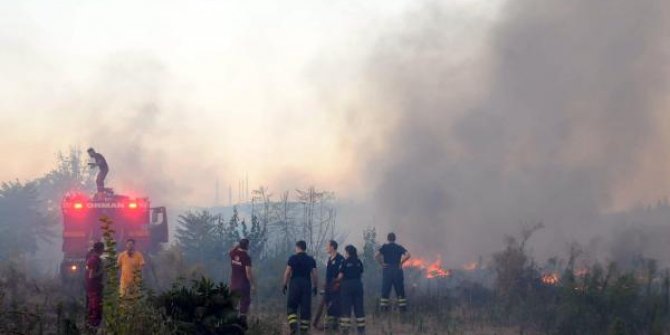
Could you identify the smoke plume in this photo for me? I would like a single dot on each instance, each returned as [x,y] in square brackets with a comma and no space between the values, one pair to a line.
[549,120]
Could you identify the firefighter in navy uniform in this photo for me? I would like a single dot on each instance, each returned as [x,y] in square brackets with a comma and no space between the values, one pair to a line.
[332,287]
[392,256]
[352,291]
[301,280]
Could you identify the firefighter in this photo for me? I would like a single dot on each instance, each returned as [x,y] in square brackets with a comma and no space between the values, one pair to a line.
[391,256]
[241,277]
[300,269]
[331,295]
[352,291]
[131,263]
[94,287]
[103,168]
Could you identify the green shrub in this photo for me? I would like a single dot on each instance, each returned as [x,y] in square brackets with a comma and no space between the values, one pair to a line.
[201,308]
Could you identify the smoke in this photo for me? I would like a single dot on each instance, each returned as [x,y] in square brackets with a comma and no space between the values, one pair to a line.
[130,115]
[548,117]
[130,108]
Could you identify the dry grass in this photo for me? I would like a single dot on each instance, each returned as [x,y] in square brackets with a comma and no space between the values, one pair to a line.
[271,320]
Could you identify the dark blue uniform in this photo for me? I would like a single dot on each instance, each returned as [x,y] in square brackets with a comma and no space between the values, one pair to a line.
[300,291]
[352,294]
[332,294]
[392,275]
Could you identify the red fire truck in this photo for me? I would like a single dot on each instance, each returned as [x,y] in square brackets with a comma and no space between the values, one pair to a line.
[133,218]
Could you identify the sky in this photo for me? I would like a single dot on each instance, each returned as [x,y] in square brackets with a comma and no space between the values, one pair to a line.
[193,91]
[450,121]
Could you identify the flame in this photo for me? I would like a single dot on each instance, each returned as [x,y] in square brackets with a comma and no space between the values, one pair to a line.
[472,266]
[431,269]
[550,278]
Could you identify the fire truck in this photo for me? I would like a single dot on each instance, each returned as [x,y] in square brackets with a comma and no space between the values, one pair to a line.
[132,218]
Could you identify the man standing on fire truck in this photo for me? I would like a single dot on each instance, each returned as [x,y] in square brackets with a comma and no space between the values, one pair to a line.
[241,278]
[103,168]
[392,256]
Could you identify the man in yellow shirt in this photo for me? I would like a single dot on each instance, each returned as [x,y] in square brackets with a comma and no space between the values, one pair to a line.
[130,262]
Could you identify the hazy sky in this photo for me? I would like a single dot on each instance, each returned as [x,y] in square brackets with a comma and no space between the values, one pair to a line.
[192,91]
[464,117]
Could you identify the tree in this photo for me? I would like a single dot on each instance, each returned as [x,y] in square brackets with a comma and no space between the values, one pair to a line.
[22,222]
[257,237]
[198,234]
[318,225]
[283,226]
[231,232]
[71,175]
[370,247]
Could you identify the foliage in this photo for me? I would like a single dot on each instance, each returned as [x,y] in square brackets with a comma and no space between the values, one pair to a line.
[372,268]
[179,267]
[201,308]
[22,222]
[205,238]
[201,237]
[71,175]
[31,305]
[111,300]
[595,300]
[318,214]
[257,235]
[128,315]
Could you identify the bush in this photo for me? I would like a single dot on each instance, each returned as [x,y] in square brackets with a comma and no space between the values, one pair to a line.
[201,308]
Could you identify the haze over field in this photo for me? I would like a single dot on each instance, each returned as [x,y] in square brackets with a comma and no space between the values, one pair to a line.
[449,121]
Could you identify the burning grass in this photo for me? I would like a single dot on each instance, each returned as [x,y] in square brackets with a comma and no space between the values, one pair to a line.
[510,294]
[431,270]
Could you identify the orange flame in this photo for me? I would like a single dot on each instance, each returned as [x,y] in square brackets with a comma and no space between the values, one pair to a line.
[431,269]
[550,278]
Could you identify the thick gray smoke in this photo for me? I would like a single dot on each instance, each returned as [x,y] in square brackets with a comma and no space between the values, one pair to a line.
[133,118]
[549,126]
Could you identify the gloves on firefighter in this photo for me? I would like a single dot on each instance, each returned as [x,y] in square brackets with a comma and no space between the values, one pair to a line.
[314,291]
[284,289]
